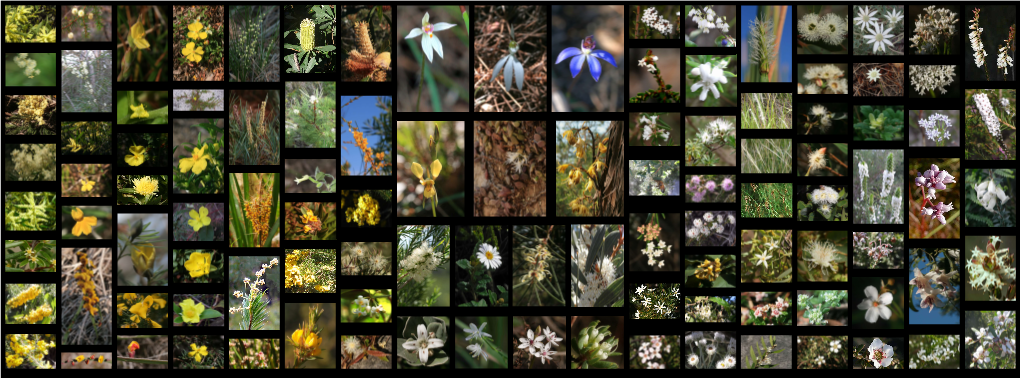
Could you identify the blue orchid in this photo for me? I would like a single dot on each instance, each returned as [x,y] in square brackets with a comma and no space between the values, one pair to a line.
[587,53]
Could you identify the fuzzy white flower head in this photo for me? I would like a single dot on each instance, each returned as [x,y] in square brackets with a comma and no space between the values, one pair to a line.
[808,27]
[823,254]
[833,29]
[352,345]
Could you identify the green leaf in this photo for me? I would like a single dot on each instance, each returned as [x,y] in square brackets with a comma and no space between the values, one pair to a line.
[841,146]
[178,319]
[602,365]
[501,289]
[210,314]
[866,109]
[464,264]
[611,294]
[177,309]
[326,48]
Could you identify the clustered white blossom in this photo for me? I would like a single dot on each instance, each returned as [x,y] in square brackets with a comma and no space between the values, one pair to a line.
[654,252]
[870,242]
[716,131]
[597,283]
[988,192]
[650,128]
[706,351]
[934,352]
[932,28]
[80,69]
[824,79]
[975,41]
[998,339]
[365,308]
[651,350]
[709,223]
[1004,61]
[929,292]
[989,270]
[643,296]
[420,264]
[652,18]
[815,314]
[929,78]
[824,197]
[828,28]
[819,113]
[35,162]
[517,160]
[707,20]
[29,64]
[708,75]
[936,127]
[987,113]
[647,63]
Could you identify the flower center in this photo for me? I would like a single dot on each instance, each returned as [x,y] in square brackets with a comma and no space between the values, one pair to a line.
[812,27]
[428,29]
[879,37]
[832,28]
[588,43]
[878,355]
[874,304]
[488,255]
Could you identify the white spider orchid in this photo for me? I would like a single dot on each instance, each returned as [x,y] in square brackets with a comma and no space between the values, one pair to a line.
[428,41]
[514,68]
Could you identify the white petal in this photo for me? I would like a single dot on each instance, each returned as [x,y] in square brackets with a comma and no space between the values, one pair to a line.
[875,344]
[423,355]
[872,315]
[694,88]
[495,72]
[715,91]
[519,75]
[422,331]
[884,311]
[436,45]
[414,33]
[426,47]
[441,26]
[871,292]
[425,18]
[410,345]
[885,299]
[704,94]
[508,73]
[435,343]
[531,334]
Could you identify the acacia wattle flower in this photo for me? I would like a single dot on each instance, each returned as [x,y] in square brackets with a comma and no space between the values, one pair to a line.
[587,53]
[428,41]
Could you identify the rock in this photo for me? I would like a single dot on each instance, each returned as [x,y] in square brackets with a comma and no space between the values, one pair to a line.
[782,360]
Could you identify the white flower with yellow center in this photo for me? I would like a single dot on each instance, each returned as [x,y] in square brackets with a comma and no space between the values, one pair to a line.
[489,256]
[822,254]
[352,345]
[874,74]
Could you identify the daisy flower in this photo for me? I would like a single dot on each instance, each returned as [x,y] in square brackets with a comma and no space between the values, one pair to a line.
[865,16]
[489,256]
[879,37]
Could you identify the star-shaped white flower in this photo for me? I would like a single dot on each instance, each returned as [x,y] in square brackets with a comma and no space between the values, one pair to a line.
[428,41]
[879,37]
[551,337]
[475,332]
[477,351]
[708,76]
[640,289]
[875,305]
[531,343]
[865,16]
[873,74]
[763,258]
[422,344]
[545,353]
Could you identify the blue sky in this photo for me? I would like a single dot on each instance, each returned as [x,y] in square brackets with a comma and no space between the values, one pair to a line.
[785,69]
[935,316]
[360,113]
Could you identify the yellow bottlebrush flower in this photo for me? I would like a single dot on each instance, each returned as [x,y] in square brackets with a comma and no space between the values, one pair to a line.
[143,256]
[137,37]
[137,156]
[199,218]
[75,147]
[196,32]
[86,184]
[198,264]
[306,34]
[190,311]
[83,225]
[197,162]
[155,301]
[146,186]
[139,111]
[193,53]
[569,135]
[197,352]
[563,168]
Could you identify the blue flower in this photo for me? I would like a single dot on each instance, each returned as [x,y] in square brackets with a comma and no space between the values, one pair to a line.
[587,53]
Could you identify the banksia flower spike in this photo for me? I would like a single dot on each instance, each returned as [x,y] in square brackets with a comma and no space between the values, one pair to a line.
[365,61]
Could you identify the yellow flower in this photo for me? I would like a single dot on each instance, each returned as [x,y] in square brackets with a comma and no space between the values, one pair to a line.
[308,229]
[80,358]
[143,256]
[75,147]
[146,186]
[141,311]
[190,311]
[436,168]
[137,37]
[195,31]
[198,264]
[563,168]
[83,225]
[197,352]
[197,162]
[120,309]
[309,342]
[137,156]
[130,296]
[192,53]
[199,218]
[602,148]
[569,135]
[101,358]
[155,301]
[155,324]
[86,185]
[309,217]
[139,111]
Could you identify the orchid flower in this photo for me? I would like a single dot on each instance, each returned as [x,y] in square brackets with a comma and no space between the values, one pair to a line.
[930,298]
[514,68]
[587,53]
[428,42]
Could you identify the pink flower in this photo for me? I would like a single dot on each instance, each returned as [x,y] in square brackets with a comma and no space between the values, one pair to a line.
[710,185]
[930,299]
[696,180]
[776,311]
[759,312]
[727,184]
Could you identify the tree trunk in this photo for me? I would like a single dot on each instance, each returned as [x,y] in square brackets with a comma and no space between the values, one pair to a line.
[615,180]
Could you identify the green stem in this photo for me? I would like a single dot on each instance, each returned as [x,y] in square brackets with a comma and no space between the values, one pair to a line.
[932,93]
[421,82]
[142,360]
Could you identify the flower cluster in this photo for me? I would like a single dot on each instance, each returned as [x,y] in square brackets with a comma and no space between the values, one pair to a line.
[538,266]
[82,357]
[708,270]
[598,280]
[1005,60]
[987,113]
[367,210]
[666,301]
[35,162]
[975,39]
[873,244]
[29,64]
[420,264]
[652,18]
[544,351]
[705,350]
[990,271]
[926,79]
[936,127]
[927,289]
[987,192]
[817,304]
[930,181]
[769,313]
[34,106]
[824,197]
[933,30]
[253,287]
[700,187]
[652,350]
[83,276]
[711,223]
[31,348]
[933,350]
[139,309]
[828,28]
[824,79]
[707,20]
[998,342]
[196,33]
[654,252]
[24,296]
[650,127]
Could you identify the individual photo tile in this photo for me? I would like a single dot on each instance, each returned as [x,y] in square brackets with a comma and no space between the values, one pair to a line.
[509,168]
[878,79]
[310,107]
[649,84]
[995,193]
[253,353]
[356,259]
[198,162]
[86,138]
[937,280]
[654,301]
[766,111]
[703,25]
[985,339]
[198,38]
[150,150]
[878,29]
[143,242]
[255,46]
[878,302]
[199,352]
[988,137]
[30,256]
[765,308]
[197,100]
[488,350]
[142,310]
[878,197]
[143,107]
[143,352]
[366,352]
[657,352]
[653,235]
[931,214]
[714,309]
[552,354]
[710,141]
[314,270]
[589,334]
[710,271]
[424,253]
[766,200]
[710,228]
[768,40]
[878,123]
[821,256]
[707,74]
[30,115]
[254,131]
[198,221]
[309,176]
[30,211]
[312,52]
[605,91]
[821,159]
[822,352]
[822,118]
[86,222]
[596,265]
[137,189]
[655,178]
[254,208]
[142,56]
[30,69]
[304,221]
[85,84]
[878,352]
[822,29]
[198,310]
[369,128]
[766,156]
[822,78]
[771,352]
[257,299]
[722,343]
[430,338]
[30,303]
[30,24]
[198,266]
[705,188]
[89,180]
[991,263]
[654,129]
[86,360]
[934,128]
[997,26]
[86,284]
[424,187]
[878,250]
[766,256]
[367,56]
[934,81]
[934,351]
[30,162]
[86,23]
[368,208]
[308,338]
[584,149]
[480,276]
[933,29]
[509,41]
[539,252]
[26,347]
[822,308]
[434,45]
[822,203]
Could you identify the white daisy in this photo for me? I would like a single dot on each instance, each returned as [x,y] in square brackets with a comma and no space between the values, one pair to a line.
[873,74]
[489,256]
[879,37]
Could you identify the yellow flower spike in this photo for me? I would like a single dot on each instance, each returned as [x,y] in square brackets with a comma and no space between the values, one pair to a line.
[139,111]
[83,225]
[199,218]
[196,31]
[137,156]
[137,37]
[416,168]
[86,185]
[198,352]
[143,256]
[190,311]
[198,264]
[192,53]
[197,162]
[436,168]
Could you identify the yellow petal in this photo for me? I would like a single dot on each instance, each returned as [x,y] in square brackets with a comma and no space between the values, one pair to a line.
[77,214]
[186,164]
[204,212]
[200,165]
[416,168]
[138,36]
[436,168]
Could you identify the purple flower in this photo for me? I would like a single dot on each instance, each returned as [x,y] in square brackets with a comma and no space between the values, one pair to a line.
[710,185]
[586,53]
[933,178]
[938,211]
[698,196]
[696,180]
[727,184]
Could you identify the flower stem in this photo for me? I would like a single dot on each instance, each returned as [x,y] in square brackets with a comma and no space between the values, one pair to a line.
[421,82]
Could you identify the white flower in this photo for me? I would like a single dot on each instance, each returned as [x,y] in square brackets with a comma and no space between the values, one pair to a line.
[692,359]
[1004,60]
[981,355]
[763,259]
[880,353]
[531,343]
[987,113]
[879,37]
[808,27]
[816,160]
[545,353]
[361,301]
[640,289]
[313,100]
[709,217]
[833,29]
[550,337]
[930,78]
[352,345]
[987,192]
[475,332]
[710,349]
[893,16]
[648,132]
[822,254]
[835,345]
[709,75]
[70,35]
[422,344]
[874,74]
[875,306]
[511,68]
[476,351]
[489,256]
[428,41]
[865,16]
[297,111]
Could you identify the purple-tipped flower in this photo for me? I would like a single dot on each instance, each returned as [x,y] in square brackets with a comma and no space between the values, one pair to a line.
[586,53]
[933,178]
[710,185]
[938,211]
[727,184]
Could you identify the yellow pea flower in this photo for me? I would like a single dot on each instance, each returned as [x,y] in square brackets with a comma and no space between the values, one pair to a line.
[101,358]
[86,185]
[197,162]
[80,358]
[139,111]
[196,31]
[120,309]
[83,225]
[75,147]
[197,352]
[137,156]
[155,301]
[190,311]
[198,264]
[137,37]
[141,311]
[193,53]
[199,218]
[130,296]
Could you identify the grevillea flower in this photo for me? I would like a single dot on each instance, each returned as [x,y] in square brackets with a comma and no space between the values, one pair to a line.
[428,41]
[875,306]
[587,53]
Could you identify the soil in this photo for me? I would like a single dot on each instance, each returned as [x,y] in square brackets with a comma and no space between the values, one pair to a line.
[782,360]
